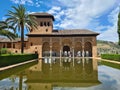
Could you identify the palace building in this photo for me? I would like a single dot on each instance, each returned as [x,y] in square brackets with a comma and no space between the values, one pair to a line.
[48,42]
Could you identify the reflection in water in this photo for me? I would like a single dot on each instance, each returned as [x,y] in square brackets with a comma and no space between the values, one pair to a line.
[63,74]
[50,73]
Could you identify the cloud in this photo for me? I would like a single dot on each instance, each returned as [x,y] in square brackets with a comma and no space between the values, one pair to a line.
[83,12]
[57,12]
[111,32]
[35,3]
[86,14]
[22,1]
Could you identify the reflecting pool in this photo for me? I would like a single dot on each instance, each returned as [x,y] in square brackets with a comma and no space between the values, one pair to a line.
[61,74]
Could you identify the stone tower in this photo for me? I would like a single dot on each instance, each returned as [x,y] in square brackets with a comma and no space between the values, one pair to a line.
[45,23]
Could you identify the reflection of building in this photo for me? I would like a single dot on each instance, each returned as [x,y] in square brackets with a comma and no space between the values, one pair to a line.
[72,73]
[48,42]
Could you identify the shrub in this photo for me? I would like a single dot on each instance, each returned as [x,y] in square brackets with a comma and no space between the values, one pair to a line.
[3,51]
[14,59]
[115,57]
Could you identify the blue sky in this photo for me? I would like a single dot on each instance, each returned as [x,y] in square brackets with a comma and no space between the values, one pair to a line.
[96,15]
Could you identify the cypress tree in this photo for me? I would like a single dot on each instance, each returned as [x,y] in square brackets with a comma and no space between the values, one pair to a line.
[118,29]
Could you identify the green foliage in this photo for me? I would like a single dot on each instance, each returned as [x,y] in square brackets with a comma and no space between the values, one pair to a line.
[111,64]
[119,28]
[20,19]
[14,59]
[4,30]
[115,57]
[5,51]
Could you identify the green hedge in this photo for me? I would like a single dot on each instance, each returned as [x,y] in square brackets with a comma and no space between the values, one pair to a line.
[115,57]
[14,59]
[117,66]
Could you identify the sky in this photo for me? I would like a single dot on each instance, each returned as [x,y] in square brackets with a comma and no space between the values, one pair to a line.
[100,16]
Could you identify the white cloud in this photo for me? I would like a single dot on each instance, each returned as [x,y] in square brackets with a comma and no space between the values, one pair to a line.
[85,14]
[22,1]
[57,12]
[35,3]
[111,32]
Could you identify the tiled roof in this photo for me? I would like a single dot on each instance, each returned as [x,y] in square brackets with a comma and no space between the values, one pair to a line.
[74,31]
[70,32]
[8,40]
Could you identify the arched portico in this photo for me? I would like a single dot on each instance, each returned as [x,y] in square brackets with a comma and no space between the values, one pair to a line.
[72,47]
[46,49]
[66,48]
[88,49]
[78,49]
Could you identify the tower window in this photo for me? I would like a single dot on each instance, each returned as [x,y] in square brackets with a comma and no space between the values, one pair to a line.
[46,30]
[44,23]
[41,23]
[48,23]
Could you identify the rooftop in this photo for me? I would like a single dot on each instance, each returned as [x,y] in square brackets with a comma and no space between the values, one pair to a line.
[69,32]
[8,40]
[42,15]
[74,31]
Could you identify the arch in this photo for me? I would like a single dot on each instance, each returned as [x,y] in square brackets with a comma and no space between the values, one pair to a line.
[66,48]
[55,48]
[67,42]
[88,49]
[46,49]
[78,49]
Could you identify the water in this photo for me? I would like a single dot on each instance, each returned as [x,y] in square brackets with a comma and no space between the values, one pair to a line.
[61,74]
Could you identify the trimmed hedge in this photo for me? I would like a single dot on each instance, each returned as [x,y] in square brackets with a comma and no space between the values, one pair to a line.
[115,57]
[117,66]
[17,58]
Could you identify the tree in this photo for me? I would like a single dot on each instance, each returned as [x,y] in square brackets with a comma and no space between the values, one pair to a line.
[119,28]
[20,19]
[5,30]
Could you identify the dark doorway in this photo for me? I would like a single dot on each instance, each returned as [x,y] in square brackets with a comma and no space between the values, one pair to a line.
[66,48]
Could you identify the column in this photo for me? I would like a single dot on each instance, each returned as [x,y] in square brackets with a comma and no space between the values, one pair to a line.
[73,57]
[60,52]
[50,47]
[50,51]
[50,59]
[39,48]
[94,48]
[73,44]
[83,52]
[94,51]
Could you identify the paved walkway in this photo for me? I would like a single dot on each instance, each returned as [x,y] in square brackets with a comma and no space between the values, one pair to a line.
[11,66]
[109,61]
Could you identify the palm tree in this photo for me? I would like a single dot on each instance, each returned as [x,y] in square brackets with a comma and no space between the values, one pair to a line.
[5,30]
[20,19]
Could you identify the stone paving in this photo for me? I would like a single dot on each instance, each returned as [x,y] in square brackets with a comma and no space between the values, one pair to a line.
[109,61]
